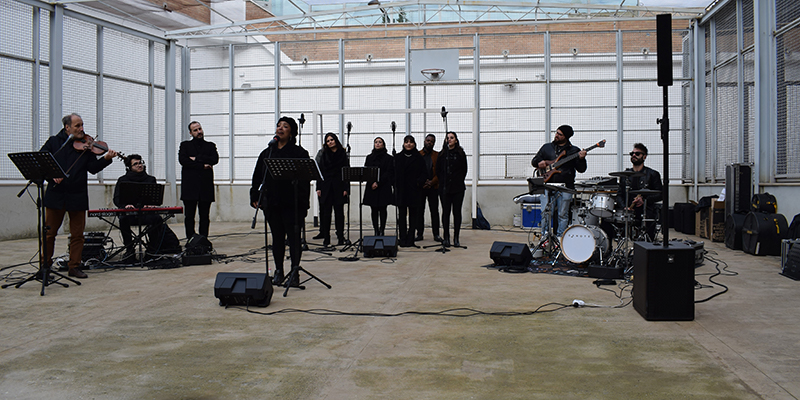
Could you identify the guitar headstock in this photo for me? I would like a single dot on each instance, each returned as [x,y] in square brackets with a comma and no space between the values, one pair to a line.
[601,143]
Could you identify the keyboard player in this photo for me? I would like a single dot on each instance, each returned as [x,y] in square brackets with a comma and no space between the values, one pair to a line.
[136,172]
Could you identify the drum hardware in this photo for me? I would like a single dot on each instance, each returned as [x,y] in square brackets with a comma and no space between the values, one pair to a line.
[626,174]
[581,215]
[548,241]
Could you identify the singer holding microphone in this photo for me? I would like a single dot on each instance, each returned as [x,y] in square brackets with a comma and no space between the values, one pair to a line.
[452,172]
[278,200]
[70,195]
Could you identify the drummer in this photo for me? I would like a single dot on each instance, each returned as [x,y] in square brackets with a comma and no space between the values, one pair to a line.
[650,180]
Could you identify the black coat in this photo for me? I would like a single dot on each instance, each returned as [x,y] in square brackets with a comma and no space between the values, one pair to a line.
[332,186]
[197,182]
[550,151]
[131,176]
[651,180]
[280,193]
[452,171]
[72,194]
[382,196]
[410,170]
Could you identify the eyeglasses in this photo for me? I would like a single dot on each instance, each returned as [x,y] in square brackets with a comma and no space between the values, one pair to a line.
[636,153]
[133,164]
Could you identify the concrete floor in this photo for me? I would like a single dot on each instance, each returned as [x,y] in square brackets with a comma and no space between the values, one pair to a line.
[160,334]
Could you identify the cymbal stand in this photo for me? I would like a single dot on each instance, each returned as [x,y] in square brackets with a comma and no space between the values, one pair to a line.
[548,239]
[623,247]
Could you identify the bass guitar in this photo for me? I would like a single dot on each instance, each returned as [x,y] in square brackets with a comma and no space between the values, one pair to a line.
[553,166]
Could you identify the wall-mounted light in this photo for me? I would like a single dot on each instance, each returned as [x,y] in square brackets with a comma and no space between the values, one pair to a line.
[645,51]
[506,53]
[305,59]
[369,57]
[574,51]
[246,85]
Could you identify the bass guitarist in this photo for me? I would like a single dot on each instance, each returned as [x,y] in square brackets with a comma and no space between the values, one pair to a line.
[560,148]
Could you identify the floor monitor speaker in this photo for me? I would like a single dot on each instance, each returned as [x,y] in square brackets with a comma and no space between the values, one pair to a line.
[508,254]
[380,246]
[663,284]
[242,288]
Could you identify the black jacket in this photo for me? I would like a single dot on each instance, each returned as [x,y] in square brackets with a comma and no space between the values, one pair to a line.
[382,196]
[551,151]
[197,182]
[72,194]
[650,180]
[452,171]
[332,186]
[410,170]
[280,193]
[131,176]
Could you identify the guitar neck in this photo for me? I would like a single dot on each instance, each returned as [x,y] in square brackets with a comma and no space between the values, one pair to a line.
[572,157]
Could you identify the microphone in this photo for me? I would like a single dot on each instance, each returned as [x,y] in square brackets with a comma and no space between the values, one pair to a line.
[349,127]
[444,112]
[273,141]
[394,126]
[69,139]
[302,119]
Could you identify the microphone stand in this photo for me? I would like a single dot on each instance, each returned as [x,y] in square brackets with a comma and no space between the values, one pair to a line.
[347,200]
[443,182]
[393,125]
[266,214]
[301,121]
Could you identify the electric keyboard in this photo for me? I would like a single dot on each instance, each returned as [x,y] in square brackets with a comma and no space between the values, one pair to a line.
[120,212]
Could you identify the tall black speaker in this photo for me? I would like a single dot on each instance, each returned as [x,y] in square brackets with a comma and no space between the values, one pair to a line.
[663,281]
[511,254]
[664,51]
[738,188]
[380,246]
[242,288]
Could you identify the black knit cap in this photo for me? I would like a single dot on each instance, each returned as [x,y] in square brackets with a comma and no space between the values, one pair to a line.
[566,130]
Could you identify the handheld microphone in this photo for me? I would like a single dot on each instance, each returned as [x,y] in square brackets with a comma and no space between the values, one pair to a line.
[444,112]
[349,127]
[273,141]
[394,126]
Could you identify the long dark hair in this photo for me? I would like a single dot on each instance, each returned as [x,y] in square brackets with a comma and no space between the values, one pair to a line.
[457,149]
[383,150]
[326,149]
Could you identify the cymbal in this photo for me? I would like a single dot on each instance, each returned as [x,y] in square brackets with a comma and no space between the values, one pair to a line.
[645,192]
[626,174]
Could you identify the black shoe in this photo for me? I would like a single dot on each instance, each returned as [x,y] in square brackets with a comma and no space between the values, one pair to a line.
[456,242]
[326,242]
[437,238]
[294,282]
[418,238]
[341,242]
[319,236]
[446,242]
[278,278]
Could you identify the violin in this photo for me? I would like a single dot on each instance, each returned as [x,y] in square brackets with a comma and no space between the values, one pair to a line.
[97,147]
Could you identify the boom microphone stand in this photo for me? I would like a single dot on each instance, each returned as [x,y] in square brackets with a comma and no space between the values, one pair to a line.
[347,243]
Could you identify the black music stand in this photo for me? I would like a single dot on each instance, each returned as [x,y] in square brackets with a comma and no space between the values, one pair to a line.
[37,167]
[359,174]
[295,170]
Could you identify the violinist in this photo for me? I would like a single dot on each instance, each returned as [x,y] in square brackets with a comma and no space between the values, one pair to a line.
[70,195]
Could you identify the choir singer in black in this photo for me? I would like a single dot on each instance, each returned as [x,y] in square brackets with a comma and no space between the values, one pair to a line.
[452,172]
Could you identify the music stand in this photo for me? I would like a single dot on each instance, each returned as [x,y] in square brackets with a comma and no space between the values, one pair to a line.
[37,167]
[359,174]
[141,194]
[295,170]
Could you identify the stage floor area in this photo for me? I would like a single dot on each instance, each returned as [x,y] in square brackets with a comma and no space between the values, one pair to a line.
[139,333]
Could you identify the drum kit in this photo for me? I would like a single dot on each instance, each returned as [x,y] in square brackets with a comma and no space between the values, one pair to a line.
[588,239]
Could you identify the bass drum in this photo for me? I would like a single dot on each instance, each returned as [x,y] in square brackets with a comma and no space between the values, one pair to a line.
[581,243]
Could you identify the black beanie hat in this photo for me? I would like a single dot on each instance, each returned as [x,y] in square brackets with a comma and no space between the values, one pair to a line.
[566,130]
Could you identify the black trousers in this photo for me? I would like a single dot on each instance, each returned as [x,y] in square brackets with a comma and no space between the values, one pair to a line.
[325,219]
[379,219]
[126,222]
[431,196]
[409,215]
[452,201]
[285,228]
[189,209]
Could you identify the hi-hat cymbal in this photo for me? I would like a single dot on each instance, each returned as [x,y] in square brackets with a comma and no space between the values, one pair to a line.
[645,192]
[626,174]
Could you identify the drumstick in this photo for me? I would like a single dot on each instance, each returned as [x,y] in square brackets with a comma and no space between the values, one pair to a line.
[638,196]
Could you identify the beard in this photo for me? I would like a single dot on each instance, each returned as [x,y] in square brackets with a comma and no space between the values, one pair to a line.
[637,161]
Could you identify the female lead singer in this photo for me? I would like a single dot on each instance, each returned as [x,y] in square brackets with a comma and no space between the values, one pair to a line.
[410,170]
[278,199]
[379,194]
[332,191]
[452,171]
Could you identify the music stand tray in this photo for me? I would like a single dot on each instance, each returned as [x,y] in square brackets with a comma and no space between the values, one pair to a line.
[36,167]
[295,169]
[141,194]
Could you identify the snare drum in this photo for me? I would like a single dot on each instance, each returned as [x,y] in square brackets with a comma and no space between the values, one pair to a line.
[622,216]
[582,243]
[602,205]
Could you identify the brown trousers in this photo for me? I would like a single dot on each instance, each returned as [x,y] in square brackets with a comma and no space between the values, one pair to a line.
[77,223]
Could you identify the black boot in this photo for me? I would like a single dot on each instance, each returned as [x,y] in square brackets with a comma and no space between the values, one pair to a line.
[456,231]
[278,278]
[446,240]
